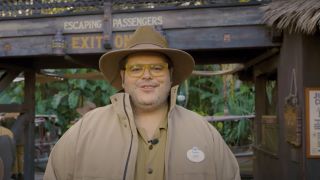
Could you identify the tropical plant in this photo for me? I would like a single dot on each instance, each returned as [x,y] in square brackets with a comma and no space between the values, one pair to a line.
[13,94]
[218,95]
[62,97]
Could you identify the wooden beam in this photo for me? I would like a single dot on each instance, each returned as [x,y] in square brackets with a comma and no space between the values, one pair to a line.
[12,108]
[12,66]
[29,103]
[107,25]
[193,38]
[79,62]
[265,67]
[7,78]
[228,118]
[260,101]
[262,57]
[221,72]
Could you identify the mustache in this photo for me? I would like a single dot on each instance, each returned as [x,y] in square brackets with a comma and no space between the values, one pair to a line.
[147,83]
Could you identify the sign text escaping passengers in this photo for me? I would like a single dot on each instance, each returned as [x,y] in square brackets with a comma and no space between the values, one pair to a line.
[126,22]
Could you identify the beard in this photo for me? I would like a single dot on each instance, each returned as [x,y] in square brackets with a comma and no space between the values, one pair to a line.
[149,95]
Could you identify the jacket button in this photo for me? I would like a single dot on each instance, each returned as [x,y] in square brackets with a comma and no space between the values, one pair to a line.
[150,171]
[151,147]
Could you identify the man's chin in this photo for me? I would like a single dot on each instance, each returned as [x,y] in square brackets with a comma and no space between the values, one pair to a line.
[147,104]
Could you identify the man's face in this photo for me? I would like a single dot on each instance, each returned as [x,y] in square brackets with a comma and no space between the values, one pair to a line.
[147,79]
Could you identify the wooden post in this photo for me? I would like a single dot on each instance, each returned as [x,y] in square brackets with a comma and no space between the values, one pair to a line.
[9,76]
[29,104]
[107,25]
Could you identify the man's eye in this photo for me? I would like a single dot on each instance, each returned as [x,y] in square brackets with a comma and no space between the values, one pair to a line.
[136,68]
[157,67]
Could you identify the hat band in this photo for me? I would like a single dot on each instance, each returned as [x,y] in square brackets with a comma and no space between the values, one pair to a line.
[146,46]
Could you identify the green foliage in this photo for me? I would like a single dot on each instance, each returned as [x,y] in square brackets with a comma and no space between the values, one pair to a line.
[206,93]
[208,97]
[62,97]
[12,94]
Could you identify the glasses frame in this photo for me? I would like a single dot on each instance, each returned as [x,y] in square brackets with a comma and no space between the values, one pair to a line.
[146,66]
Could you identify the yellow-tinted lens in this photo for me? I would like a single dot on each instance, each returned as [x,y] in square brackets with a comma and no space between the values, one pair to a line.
[137,70]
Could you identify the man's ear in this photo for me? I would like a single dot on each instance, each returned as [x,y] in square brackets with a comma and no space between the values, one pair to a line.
[122,78]
[171,75]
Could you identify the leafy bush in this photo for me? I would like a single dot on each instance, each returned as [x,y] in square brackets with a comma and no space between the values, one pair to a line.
[217,96]
[62,97]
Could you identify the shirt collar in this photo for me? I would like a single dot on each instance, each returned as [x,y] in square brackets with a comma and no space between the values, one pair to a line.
[164,123]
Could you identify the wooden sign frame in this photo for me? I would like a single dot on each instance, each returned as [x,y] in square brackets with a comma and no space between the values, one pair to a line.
[312,99]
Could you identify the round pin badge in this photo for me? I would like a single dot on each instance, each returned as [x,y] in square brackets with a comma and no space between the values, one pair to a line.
[195,155]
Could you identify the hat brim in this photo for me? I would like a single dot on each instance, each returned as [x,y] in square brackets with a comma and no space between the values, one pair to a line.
[183,64]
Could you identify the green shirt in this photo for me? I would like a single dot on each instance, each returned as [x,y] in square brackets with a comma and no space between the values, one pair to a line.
[151,157]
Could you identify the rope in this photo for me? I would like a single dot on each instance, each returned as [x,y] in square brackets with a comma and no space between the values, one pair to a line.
[293,84]
[292,97]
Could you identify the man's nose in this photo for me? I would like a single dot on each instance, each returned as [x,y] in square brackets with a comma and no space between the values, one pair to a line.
[146,74]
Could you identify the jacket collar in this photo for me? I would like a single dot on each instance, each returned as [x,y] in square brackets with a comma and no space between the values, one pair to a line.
[173,96]
[122,105]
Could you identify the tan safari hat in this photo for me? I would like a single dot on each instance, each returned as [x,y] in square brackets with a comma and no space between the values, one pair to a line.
[146,39]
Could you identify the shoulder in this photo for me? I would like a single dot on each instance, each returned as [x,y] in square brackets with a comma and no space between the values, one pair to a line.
[98,112]
[6,131]
[184,115]
[98,117]
[190,120]
[195,120]
[90,120]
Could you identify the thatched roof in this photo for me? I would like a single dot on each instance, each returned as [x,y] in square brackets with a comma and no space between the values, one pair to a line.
[296,16]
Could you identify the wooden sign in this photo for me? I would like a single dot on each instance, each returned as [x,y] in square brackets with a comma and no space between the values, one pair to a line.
[186,28]
[292,124]
[312,96]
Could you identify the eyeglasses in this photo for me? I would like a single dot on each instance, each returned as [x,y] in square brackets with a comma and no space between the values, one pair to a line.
[137,70]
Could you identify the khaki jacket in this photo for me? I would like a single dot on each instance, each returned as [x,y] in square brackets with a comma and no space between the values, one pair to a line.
[103,145]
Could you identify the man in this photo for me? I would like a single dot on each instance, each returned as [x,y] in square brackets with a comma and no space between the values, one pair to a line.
[15,133]
[86,107]
[143,134]
[18,129]
[7,151]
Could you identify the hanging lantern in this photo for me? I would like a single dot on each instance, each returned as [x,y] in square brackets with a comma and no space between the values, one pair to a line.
[58,44]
